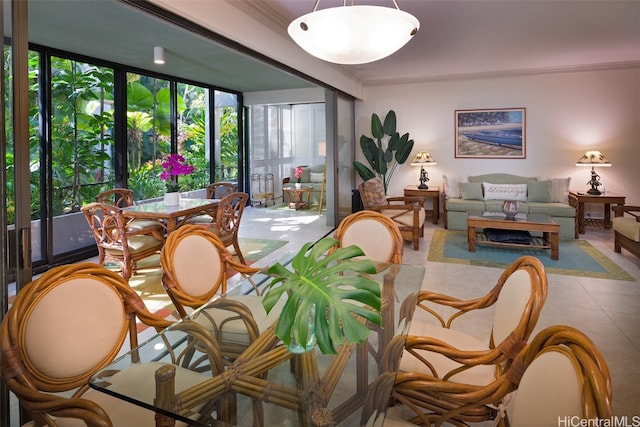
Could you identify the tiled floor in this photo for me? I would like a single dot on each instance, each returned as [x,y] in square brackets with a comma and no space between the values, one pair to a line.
[607,310]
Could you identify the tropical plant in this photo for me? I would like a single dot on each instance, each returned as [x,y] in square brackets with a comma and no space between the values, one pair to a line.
[383,157]
[321,290]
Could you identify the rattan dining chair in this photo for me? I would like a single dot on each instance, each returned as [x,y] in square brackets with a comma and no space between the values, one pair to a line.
[218,190]
[63,328]
[226,223]
[561,376]
[195,268]
[448,361]
[376,234]
[116,241]
[122,198]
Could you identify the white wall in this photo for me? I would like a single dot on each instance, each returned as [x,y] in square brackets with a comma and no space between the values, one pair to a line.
[566,114]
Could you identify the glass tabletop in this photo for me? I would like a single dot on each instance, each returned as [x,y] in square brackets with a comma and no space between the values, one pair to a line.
[158,206]
[523,217]
[180,375]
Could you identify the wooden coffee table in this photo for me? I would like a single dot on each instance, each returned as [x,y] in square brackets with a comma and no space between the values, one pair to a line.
[298,198]
[550,229]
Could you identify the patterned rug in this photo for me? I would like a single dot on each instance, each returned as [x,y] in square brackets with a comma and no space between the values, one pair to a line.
[577,257]
[147,282]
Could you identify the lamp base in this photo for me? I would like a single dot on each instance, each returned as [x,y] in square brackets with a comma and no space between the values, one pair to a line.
[594,191]
[423,187]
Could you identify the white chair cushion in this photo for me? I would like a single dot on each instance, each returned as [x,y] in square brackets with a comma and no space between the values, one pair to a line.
[406,218]
[478,375]
[514,295]
[548,392]
[235,331]
[74,327]
[628,227]
[197,281]
[372,237]
[139,244]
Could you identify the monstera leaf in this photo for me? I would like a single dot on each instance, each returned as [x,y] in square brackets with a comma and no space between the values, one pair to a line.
[320,288]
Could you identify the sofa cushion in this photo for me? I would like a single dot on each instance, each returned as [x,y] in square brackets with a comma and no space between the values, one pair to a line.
[539,191]
[463,205]
[316,177]
[471,190]
[516,192]
[452,186]
[552,209]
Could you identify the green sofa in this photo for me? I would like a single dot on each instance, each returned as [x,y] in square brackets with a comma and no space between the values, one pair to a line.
[543,196]
[312,175]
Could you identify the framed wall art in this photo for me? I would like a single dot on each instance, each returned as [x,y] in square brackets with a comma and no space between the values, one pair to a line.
[491,134]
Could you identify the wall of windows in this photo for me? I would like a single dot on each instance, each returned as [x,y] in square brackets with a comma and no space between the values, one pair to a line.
[76,145]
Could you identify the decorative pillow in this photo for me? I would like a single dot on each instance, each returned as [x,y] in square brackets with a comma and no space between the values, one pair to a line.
[560,189]
[539,191]
[451,186]
[316,177]
[516,192]
[374,192]
[471,190]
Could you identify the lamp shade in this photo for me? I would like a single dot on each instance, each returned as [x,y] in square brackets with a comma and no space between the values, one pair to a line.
[423,158]
[593,158]
[355,34]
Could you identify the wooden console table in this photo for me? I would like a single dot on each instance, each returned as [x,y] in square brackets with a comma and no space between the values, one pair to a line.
[607,199]
[432,192]
[298,198]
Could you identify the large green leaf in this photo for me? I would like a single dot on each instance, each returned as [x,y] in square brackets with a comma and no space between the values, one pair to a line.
[364,172]
[376,126]
[390,123]
[326,286]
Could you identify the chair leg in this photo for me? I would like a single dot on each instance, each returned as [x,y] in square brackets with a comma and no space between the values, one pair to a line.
[616,244]
[236,246]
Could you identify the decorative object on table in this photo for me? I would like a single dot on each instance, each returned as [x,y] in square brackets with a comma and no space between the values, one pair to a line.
[593,158]
[353,34]
[490,134]
[172,167]
[298,174]
[318,283]
[511,208]
[423,158]
[383,159]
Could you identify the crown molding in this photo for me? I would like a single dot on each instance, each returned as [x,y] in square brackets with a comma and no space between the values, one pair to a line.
[503,73]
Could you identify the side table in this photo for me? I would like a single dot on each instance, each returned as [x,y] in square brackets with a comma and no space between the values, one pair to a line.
[607,199]
[432,192]
[296,196]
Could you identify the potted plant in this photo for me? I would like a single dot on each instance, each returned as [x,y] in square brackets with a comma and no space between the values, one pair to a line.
[383,156]
[322,299]
[172,167]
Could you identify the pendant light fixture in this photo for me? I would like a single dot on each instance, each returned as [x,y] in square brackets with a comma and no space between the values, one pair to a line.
[353,34]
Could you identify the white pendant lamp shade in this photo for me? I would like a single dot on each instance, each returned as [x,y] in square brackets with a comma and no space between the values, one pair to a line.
[353,34]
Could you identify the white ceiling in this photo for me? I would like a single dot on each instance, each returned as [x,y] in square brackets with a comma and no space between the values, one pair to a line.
[457,38]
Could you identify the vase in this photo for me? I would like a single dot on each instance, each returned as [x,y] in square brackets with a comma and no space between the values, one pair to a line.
[297,347]
[510,208]
[172,199]
[298,185]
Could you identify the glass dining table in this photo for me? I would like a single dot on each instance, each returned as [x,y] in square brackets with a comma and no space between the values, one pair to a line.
[172,216]
[178,374]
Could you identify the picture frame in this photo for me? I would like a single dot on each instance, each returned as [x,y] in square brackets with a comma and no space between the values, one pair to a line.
[491,133]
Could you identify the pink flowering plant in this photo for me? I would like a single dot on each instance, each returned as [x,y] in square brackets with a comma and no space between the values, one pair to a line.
[173,166]
[298,173]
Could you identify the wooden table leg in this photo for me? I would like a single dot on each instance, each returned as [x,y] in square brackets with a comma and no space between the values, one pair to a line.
[607,215]
[471,237]
[555,246]
[580,217]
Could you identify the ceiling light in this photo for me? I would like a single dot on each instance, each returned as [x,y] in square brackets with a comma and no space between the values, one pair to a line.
[353,34]
[158,55]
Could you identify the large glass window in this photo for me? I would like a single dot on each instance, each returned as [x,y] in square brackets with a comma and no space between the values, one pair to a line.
[81,133]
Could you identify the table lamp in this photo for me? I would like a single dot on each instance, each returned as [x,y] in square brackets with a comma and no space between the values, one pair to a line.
[423,158]
[593,159]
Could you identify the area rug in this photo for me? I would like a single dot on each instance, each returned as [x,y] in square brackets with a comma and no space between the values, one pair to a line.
[577,257]
[147,282]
